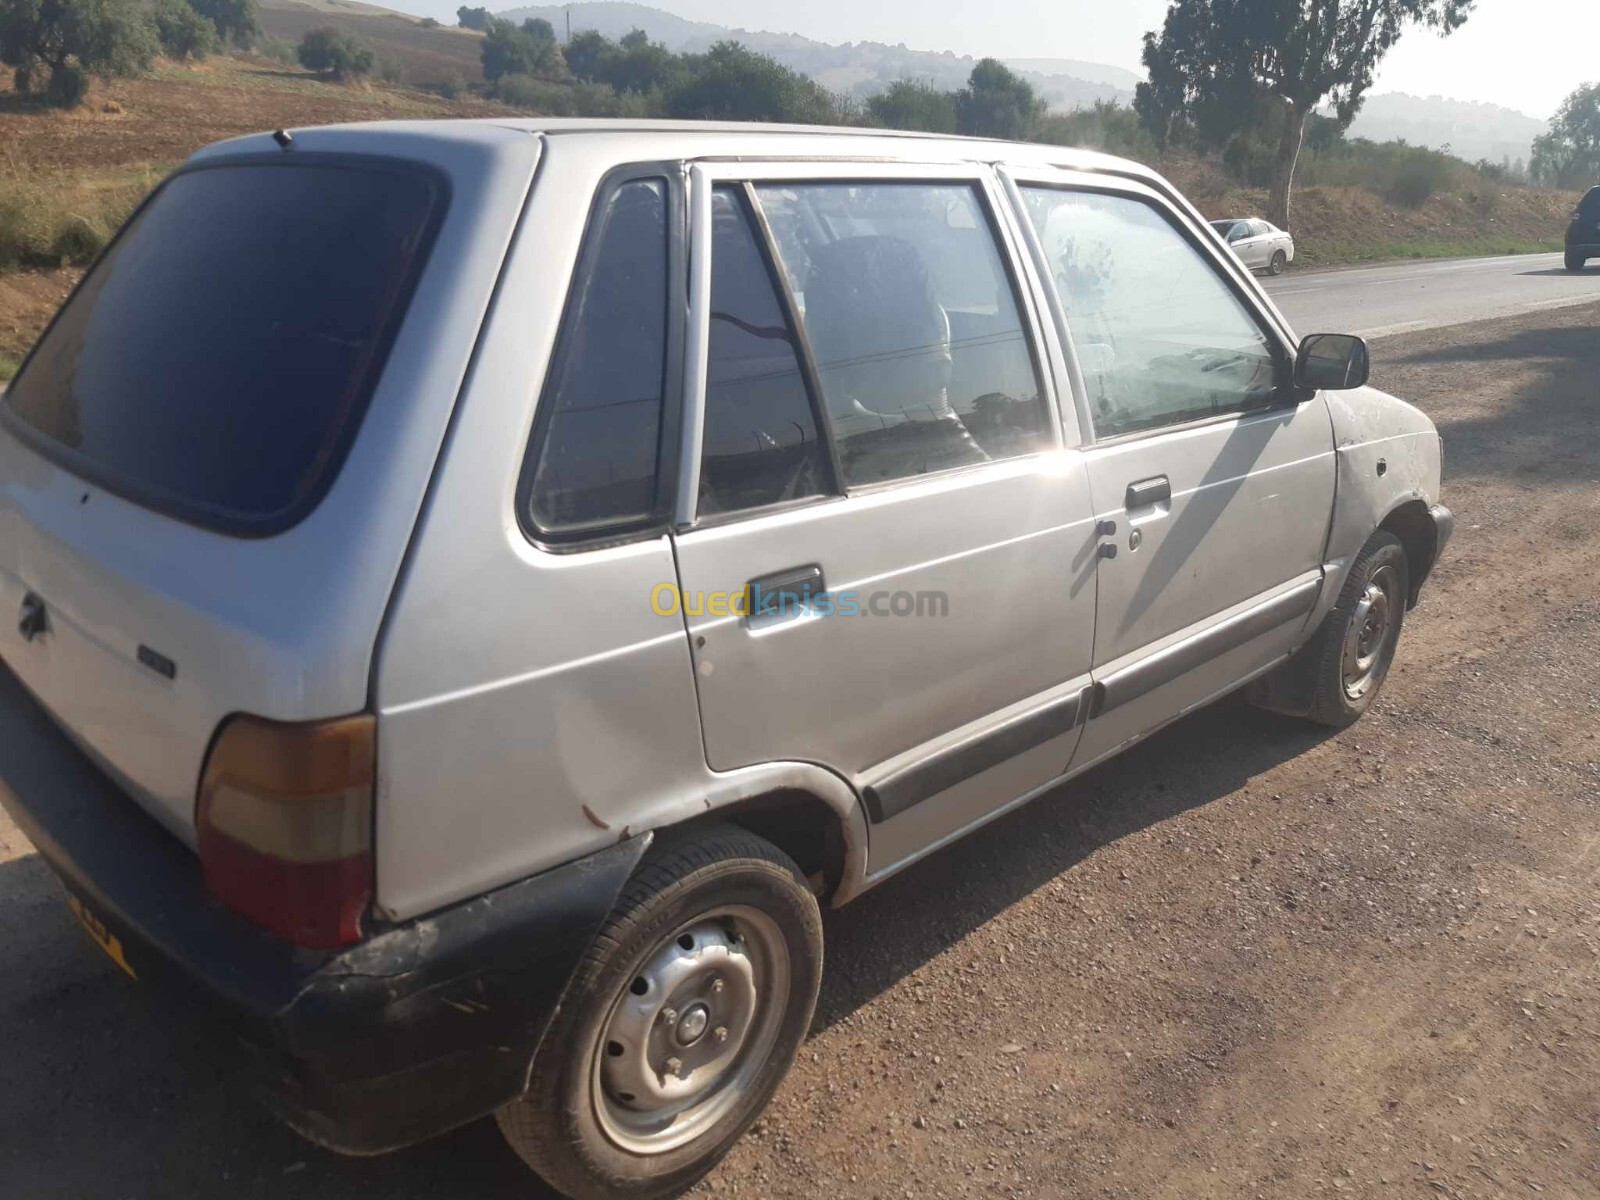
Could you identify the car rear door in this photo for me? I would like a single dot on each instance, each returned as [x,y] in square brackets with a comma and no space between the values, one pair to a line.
[873,444]
[1212,479]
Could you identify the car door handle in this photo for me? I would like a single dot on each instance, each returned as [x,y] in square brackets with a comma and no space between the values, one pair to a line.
[785,593]
[1148,492]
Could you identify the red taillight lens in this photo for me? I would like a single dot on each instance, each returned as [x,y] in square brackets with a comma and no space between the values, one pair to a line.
[284,820]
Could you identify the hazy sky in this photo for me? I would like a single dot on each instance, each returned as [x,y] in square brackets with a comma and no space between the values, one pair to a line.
[1523,54]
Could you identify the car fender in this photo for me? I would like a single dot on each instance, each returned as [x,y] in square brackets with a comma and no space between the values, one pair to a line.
[1387,454]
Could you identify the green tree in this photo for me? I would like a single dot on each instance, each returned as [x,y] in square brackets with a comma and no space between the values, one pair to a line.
[333,52]
[997,103]
[473,18]
[731,83]
[528,49]
[1569,155]
[589,56]
[235,19]
[59,44]
[182,32]
[907,104]
[1214,60]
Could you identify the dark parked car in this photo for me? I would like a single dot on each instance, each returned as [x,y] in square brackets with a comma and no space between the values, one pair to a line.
[1583,235]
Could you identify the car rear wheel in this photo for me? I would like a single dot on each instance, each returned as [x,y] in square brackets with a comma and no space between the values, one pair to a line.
[1576,262]
[1279,261]
[679,1024]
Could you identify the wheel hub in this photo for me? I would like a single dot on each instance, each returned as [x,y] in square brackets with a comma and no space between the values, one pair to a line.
[1368,637]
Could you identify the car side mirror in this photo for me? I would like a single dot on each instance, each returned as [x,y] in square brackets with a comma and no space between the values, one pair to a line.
[1333,362]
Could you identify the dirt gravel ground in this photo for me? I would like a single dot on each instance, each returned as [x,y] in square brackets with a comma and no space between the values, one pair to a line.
[1250,959]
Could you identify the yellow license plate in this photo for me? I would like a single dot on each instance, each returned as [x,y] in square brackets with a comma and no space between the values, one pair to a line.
[103,937]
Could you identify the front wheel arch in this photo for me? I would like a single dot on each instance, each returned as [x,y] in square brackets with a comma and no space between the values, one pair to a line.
[1412,524]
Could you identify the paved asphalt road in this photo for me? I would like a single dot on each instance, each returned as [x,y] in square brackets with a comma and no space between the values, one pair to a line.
[1407,297]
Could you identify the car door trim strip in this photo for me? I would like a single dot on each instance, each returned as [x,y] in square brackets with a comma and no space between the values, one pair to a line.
[960,761]
[1171,662]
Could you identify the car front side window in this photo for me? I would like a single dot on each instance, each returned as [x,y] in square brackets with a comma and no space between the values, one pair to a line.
[1161,338]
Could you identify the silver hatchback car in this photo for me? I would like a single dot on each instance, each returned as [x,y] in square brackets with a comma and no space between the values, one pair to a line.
[481,588]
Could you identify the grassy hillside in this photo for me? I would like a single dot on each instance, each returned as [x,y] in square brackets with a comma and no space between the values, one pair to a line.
[407,51]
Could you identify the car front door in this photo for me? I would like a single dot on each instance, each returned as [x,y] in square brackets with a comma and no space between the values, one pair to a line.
[1212,478]
[874,449]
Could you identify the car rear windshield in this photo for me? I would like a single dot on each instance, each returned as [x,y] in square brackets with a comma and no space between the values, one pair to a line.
[215,364]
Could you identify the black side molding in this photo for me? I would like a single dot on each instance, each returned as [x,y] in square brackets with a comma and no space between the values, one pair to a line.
[962,760]
[1145,676]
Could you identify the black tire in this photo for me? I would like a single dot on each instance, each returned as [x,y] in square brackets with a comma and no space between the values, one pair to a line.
[1576,262]
[571,1125]
[1382,562]
[1279,261]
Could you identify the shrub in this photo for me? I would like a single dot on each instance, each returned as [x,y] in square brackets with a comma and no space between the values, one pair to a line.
[182,32]
[51,221]
[1106,126]
[558,98]
[333,52]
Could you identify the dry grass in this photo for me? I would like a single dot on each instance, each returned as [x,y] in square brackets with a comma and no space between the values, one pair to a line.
[56,218]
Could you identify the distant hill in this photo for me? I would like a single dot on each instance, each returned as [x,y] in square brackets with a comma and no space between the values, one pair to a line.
[856,68]
[1470,131]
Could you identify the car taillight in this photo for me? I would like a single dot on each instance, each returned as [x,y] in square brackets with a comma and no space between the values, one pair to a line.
[284,819]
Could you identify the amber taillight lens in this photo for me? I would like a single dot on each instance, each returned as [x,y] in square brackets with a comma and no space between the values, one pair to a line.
[284,819]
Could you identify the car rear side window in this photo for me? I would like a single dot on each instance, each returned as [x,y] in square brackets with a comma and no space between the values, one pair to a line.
[217,361]
[914,324]
[596,451]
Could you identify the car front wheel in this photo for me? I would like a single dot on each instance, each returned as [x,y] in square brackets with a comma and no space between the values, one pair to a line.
[1354,648]
[679,1024]
[1576,262]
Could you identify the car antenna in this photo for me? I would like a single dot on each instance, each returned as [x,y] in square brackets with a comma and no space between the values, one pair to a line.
[283,137]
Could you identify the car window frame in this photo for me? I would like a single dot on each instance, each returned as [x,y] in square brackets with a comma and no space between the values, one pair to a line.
[669,438]
[707,174]
[1229,269]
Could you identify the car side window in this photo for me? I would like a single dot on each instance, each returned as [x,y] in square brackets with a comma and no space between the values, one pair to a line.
[760,443]
[597,441]
[914,325]
[1160,337]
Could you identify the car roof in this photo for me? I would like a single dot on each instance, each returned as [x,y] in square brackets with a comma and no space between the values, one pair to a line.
[696,139]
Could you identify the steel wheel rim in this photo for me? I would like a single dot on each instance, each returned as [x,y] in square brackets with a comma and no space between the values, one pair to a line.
[1369,637]
[672,1059]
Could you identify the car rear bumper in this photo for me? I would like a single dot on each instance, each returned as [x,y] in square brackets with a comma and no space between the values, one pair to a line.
[423,1027]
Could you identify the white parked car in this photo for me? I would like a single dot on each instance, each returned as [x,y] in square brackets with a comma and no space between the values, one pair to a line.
[1260,245]
[476,590]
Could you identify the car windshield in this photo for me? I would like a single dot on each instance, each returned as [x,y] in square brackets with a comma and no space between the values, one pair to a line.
[1223,227]
[1590,205]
